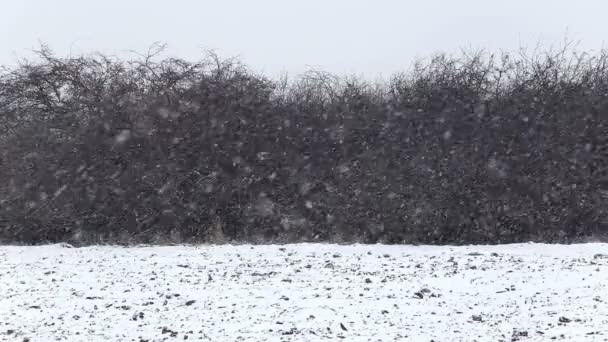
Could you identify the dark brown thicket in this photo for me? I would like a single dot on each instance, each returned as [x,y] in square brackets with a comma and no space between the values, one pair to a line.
[476,148]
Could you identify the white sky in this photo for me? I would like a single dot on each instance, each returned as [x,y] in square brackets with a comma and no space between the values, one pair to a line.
[374,37]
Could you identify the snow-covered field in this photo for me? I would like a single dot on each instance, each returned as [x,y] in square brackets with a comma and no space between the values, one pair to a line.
[305,292]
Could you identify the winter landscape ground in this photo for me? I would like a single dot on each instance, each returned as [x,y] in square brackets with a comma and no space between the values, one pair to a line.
[305,292]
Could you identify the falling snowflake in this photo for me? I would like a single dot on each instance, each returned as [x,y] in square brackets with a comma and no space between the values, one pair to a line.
[123,136]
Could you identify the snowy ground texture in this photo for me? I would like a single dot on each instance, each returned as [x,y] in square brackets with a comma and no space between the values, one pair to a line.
[305,292]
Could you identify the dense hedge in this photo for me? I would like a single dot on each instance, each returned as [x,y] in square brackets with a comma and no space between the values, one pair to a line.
[476,148]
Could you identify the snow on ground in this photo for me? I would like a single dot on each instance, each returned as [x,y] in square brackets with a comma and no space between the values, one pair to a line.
[305,292]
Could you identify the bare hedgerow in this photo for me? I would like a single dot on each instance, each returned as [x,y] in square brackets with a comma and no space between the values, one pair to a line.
[467,148]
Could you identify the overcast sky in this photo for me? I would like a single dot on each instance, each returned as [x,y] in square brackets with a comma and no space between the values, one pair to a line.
[374,37]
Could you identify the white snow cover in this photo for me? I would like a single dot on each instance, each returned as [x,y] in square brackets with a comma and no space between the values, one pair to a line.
[305,292]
